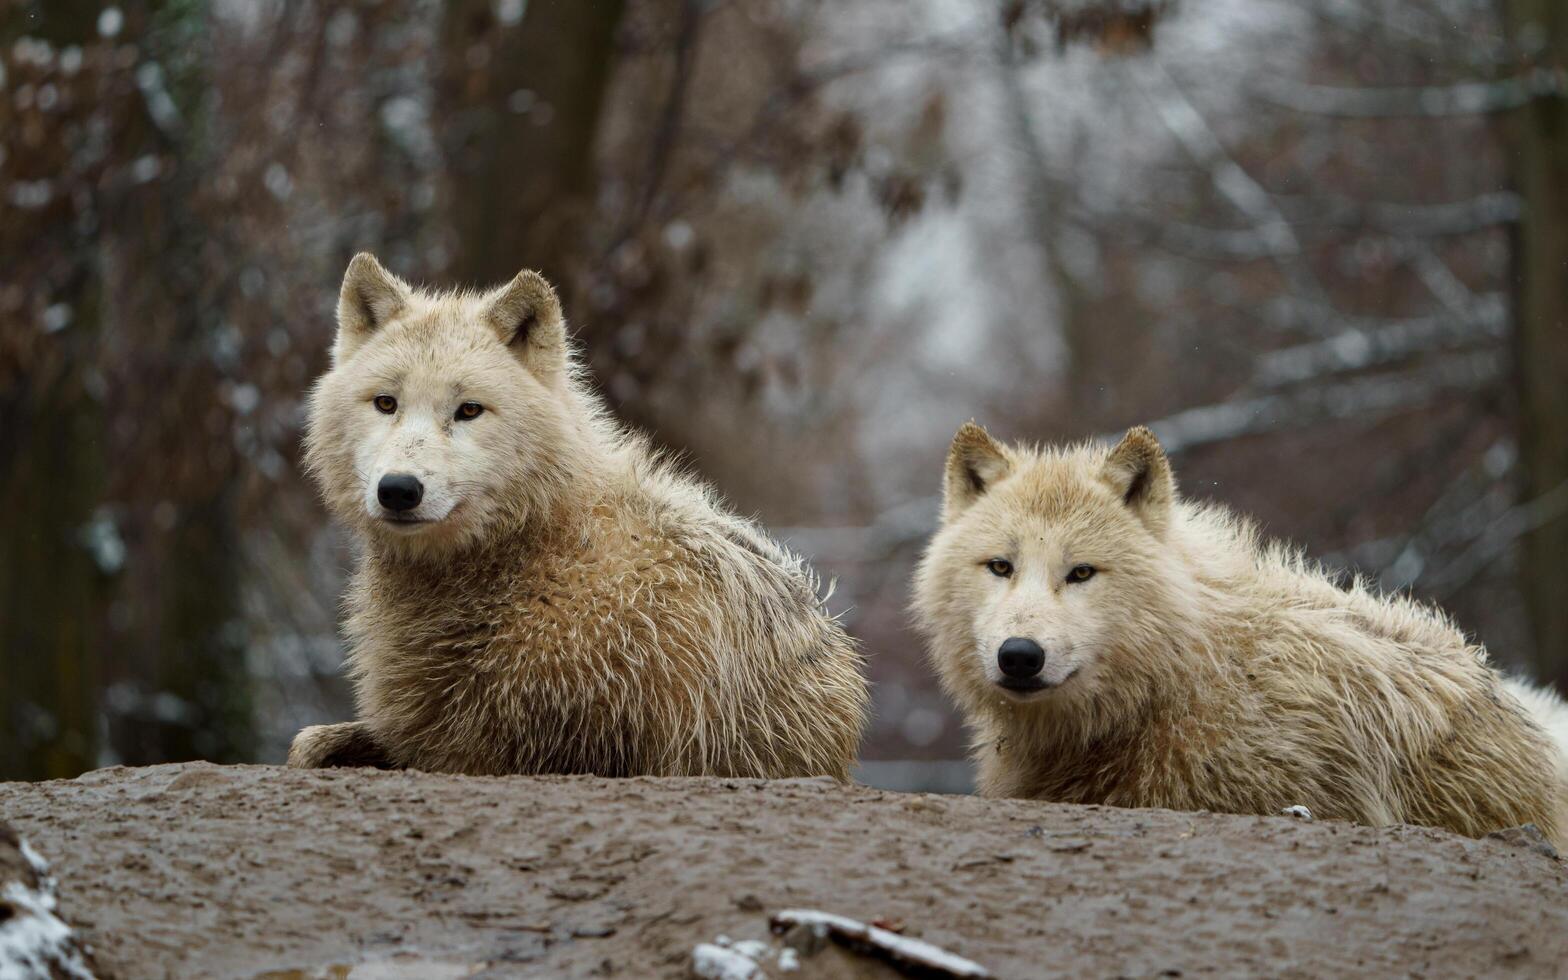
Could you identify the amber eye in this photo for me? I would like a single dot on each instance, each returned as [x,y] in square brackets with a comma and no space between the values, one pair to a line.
[1000,567]
[385,404]
[1081,573]
[469,410]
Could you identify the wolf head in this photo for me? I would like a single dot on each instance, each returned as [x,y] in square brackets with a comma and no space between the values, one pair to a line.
[441,414]
[1049,572]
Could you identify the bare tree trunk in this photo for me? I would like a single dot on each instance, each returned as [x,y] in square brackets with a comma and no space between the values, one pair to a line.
[179,643]
[521,104]
[52,595]
[119,551]
[1541,333]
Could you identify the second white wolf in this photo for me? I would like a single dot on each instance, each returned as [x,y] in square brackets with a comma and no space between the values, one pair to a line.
[1110,642]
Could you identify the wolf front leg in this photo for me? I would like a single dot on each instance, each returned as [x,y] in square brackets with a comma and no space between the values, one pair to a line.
[328,746]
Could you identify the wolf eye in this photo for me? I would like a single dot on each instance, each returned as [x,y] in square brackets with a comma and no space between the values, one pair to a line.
[1081,573]
[385,404]
[469,410]
[1000,567]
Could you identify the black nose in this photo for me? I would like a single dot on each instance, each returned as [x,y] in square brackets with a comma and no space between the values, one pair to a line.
[1020,658]
[400,491]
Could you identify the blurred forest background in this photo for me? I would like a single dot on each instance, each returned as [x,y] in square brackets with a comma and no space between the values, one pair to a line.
[1321,244]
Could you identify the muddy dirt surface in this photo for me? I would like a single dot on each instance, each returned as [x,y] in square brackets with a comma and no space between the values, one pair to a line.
[206,871]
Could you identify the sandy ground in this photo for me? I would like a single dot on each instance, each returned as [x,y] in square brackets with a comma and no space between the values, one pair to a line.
[205,871]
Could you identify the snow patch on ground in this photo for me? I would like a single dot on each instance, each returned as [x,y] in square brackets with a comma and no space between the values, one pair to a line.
[34,942]
[745,959]
[714,962]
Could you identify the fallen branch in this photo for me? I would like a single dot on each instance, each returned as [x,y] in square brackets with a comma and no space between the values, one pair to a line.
[901,951]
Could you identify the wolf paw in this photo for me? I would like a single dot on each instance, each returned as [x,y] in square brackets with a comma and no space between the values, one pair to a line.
[331,746]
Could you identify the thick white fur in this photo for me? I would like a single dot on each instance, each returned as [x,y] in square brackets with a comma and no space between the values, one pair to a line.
[571,603]
[1202,667]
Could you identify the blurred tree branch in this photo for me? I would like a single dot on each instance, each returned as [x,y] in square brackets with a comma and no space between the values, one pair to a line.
[1370,342]
[1462,99]
[1232,181]
[1358,398]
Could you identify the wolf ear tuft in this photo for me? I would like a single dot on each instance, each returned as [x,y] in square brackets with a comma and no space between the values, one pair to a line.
[1138,472]
[370,297]
[974,462]
[526,315]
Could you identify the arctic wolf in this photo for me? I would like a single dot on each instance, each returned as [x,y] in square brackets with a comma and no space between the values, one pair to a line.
[538,592]
[1112,643]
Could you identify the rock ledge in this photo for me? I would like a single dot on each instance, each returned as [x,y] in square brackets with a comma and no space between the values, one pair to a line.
[200,870]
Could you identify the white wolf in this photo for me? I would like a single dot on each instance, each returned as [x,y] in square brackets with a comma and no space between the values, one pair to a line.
[1110,642]
[538,593]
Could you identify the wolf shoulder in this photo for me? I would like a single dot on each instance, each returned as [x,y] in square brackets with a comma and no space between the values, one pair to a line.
[729,560]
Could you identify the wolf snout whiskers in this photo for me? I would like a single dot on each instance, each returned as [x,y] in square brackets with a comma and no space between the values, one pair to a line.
[407,522]
[1026,688]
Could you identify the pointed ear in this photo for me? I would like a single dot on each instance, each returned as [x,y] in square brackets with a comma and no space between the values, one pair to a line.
[974,462]
[1139,473]
[370,297]
[526,315]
